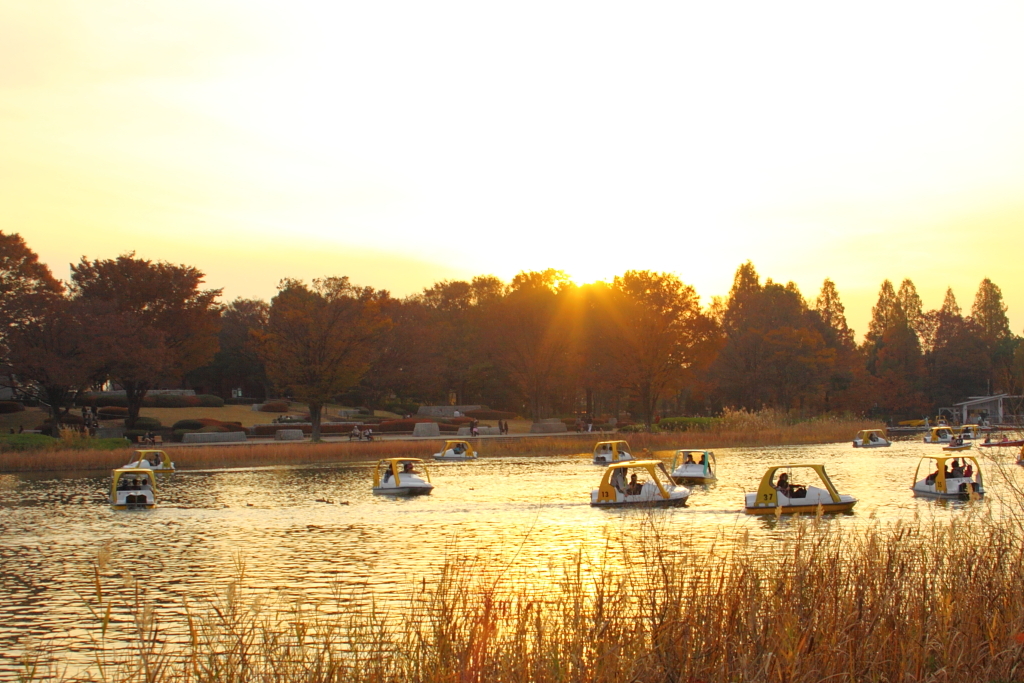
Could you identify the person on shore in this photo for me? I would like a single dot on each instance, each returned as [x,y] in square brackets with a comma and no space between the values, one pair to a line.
[355,433]
[368,434]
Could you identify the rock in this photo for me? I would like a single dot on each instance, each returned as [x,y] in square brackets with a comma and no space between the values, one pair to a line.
[288,435]
[556,427]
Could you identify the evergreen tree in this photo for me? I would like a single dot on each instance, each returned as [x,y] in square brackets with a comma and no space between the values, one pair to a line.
[989,312]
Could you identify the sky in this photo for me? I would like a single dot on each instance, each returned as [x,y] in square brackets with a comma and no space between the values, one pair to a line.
[402,143]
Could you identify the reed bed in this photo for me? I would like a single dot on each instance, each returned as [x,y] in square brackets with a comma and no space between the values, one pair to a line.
[757,430]
[913,602]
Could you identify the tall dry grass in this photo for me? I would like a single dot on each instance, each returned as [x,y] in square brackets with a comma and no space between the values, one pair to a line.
[910,602]
[750,429]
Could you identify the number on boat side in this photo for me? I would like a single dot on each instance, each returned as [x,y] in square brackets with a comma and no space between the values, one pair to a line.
[767,496]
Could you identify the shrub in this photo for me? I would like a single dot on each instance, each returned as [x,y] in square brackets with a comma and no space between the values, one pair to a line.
[242,401]
[682,424]
[485,414]
[11,407]
[146,423]
[635,429]
[171,401]
[112,412]
[210,401]
[274,407]
[187,425]
[307,428]
[208,429]
[460,420]
[25,442]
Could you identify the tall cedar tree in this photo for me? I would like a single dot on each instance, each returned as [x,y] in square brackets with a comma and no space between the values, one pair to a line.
[319,340]
[958,361]
[237,363]
[166,325]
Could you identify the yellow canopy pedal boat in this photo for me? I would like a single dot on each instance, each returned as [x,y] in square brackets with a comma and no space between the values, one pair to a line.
[656,488]
[157,461]
[693,466]
[939,435]
[609,452]
[399,477]
[788,497]
[954,477]
[132,489]
[871,438]
[456,450]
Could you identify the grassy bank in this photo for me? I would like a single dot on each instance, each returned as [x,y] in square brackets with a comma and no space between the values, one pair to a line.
[58,455]
[892,603]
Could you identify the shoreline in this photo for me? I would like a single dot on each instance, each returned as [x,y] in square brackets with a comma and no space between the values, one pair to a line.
[278,453]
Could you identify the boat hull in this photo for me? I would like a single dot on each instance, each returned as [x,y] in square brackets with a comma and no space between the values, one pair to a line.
[965,447]
[404,490]
[1011,444]
[694,480]
[871,445]
[663,503]
[134,506]
[452,458]
[844,506]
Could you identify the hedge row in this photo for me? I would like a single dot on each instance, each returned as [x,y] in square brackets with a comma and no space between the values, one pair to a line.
[409,424]
[154,401]
[11,407]
[325,428]
[491,414]
[274,407]
[200,423]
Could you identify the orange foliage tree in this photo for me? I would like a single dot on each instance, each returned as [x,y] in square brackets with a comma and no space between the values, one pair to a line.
[319,340]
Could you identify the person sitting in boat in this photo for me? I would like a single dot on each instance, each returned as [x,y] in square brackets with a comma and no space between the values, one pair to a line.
[387,474]
[144,482]
[407,468]
[787,489]
[968,471]
[872,437]
[635,487]
[618,480]
[459,448]
[689,459]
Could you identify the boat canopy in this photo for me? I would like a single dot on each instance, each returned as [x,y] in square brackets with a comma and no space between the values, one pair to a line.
[939,432]
[467,448]
[614,447]
[395,465]
[865,434]
[766,493]
[606,492]
[161,458]
[133,472]
[940,469]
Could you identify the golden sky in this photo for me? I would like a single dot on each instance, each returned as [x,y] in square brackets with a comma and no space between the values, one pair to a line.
[405,142]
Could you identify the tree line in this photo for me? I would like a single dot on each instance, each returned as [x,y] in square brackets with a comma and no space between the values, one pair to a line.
[538,345]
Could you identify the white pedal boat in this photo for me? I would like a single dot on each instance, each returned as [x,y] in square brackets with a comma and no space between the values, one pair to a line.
[693,466]
[954,477]
[871,438]
[610,452]
[656,489]
[157,461]
[787,498]
[456,450]
[132,489]
[399,477]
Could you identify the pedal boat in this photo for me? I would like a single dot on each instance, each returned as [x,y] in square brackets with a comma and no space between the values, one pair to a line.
[1004,442]
[939,435]
[658,490]
[871,438]
[969,432]
[957,445]
[611,452]
[388,478]
[768,499]
[456,450]
[157,461]
[132,489]
[940,484]
[691,466]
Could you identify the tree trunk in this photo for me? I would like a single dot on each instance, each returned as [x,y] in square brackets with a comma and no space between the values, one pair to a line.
[135,393]
[315,409]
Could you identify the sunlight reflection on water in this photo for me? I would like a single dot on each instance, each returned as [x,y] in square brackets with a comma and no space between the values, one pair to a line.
[530,513]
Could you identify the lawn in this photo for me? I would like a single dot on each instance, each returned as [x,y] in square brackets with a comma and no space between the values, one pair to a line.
[30,418]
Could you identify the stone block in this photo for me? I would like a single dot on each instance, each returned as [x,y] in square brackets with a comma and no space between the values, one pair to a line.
[110,433]
[288,435]
[426,429]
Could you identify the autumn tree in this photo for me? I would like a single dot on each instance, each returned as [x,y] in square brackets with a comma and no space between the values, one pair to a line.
[237,363]
[893,354]
[27,290]
[958,362]
[167,326]
[529,336]
[319,340]
[60,352]
[652,331]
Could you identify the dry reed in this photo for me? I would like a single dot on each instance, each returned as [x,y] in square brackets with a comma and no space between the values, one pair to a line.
[894,603]
[755,433]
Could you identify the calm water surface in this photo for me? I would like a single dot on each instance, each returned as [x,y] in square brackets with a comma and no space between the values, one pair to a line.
[530,512]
